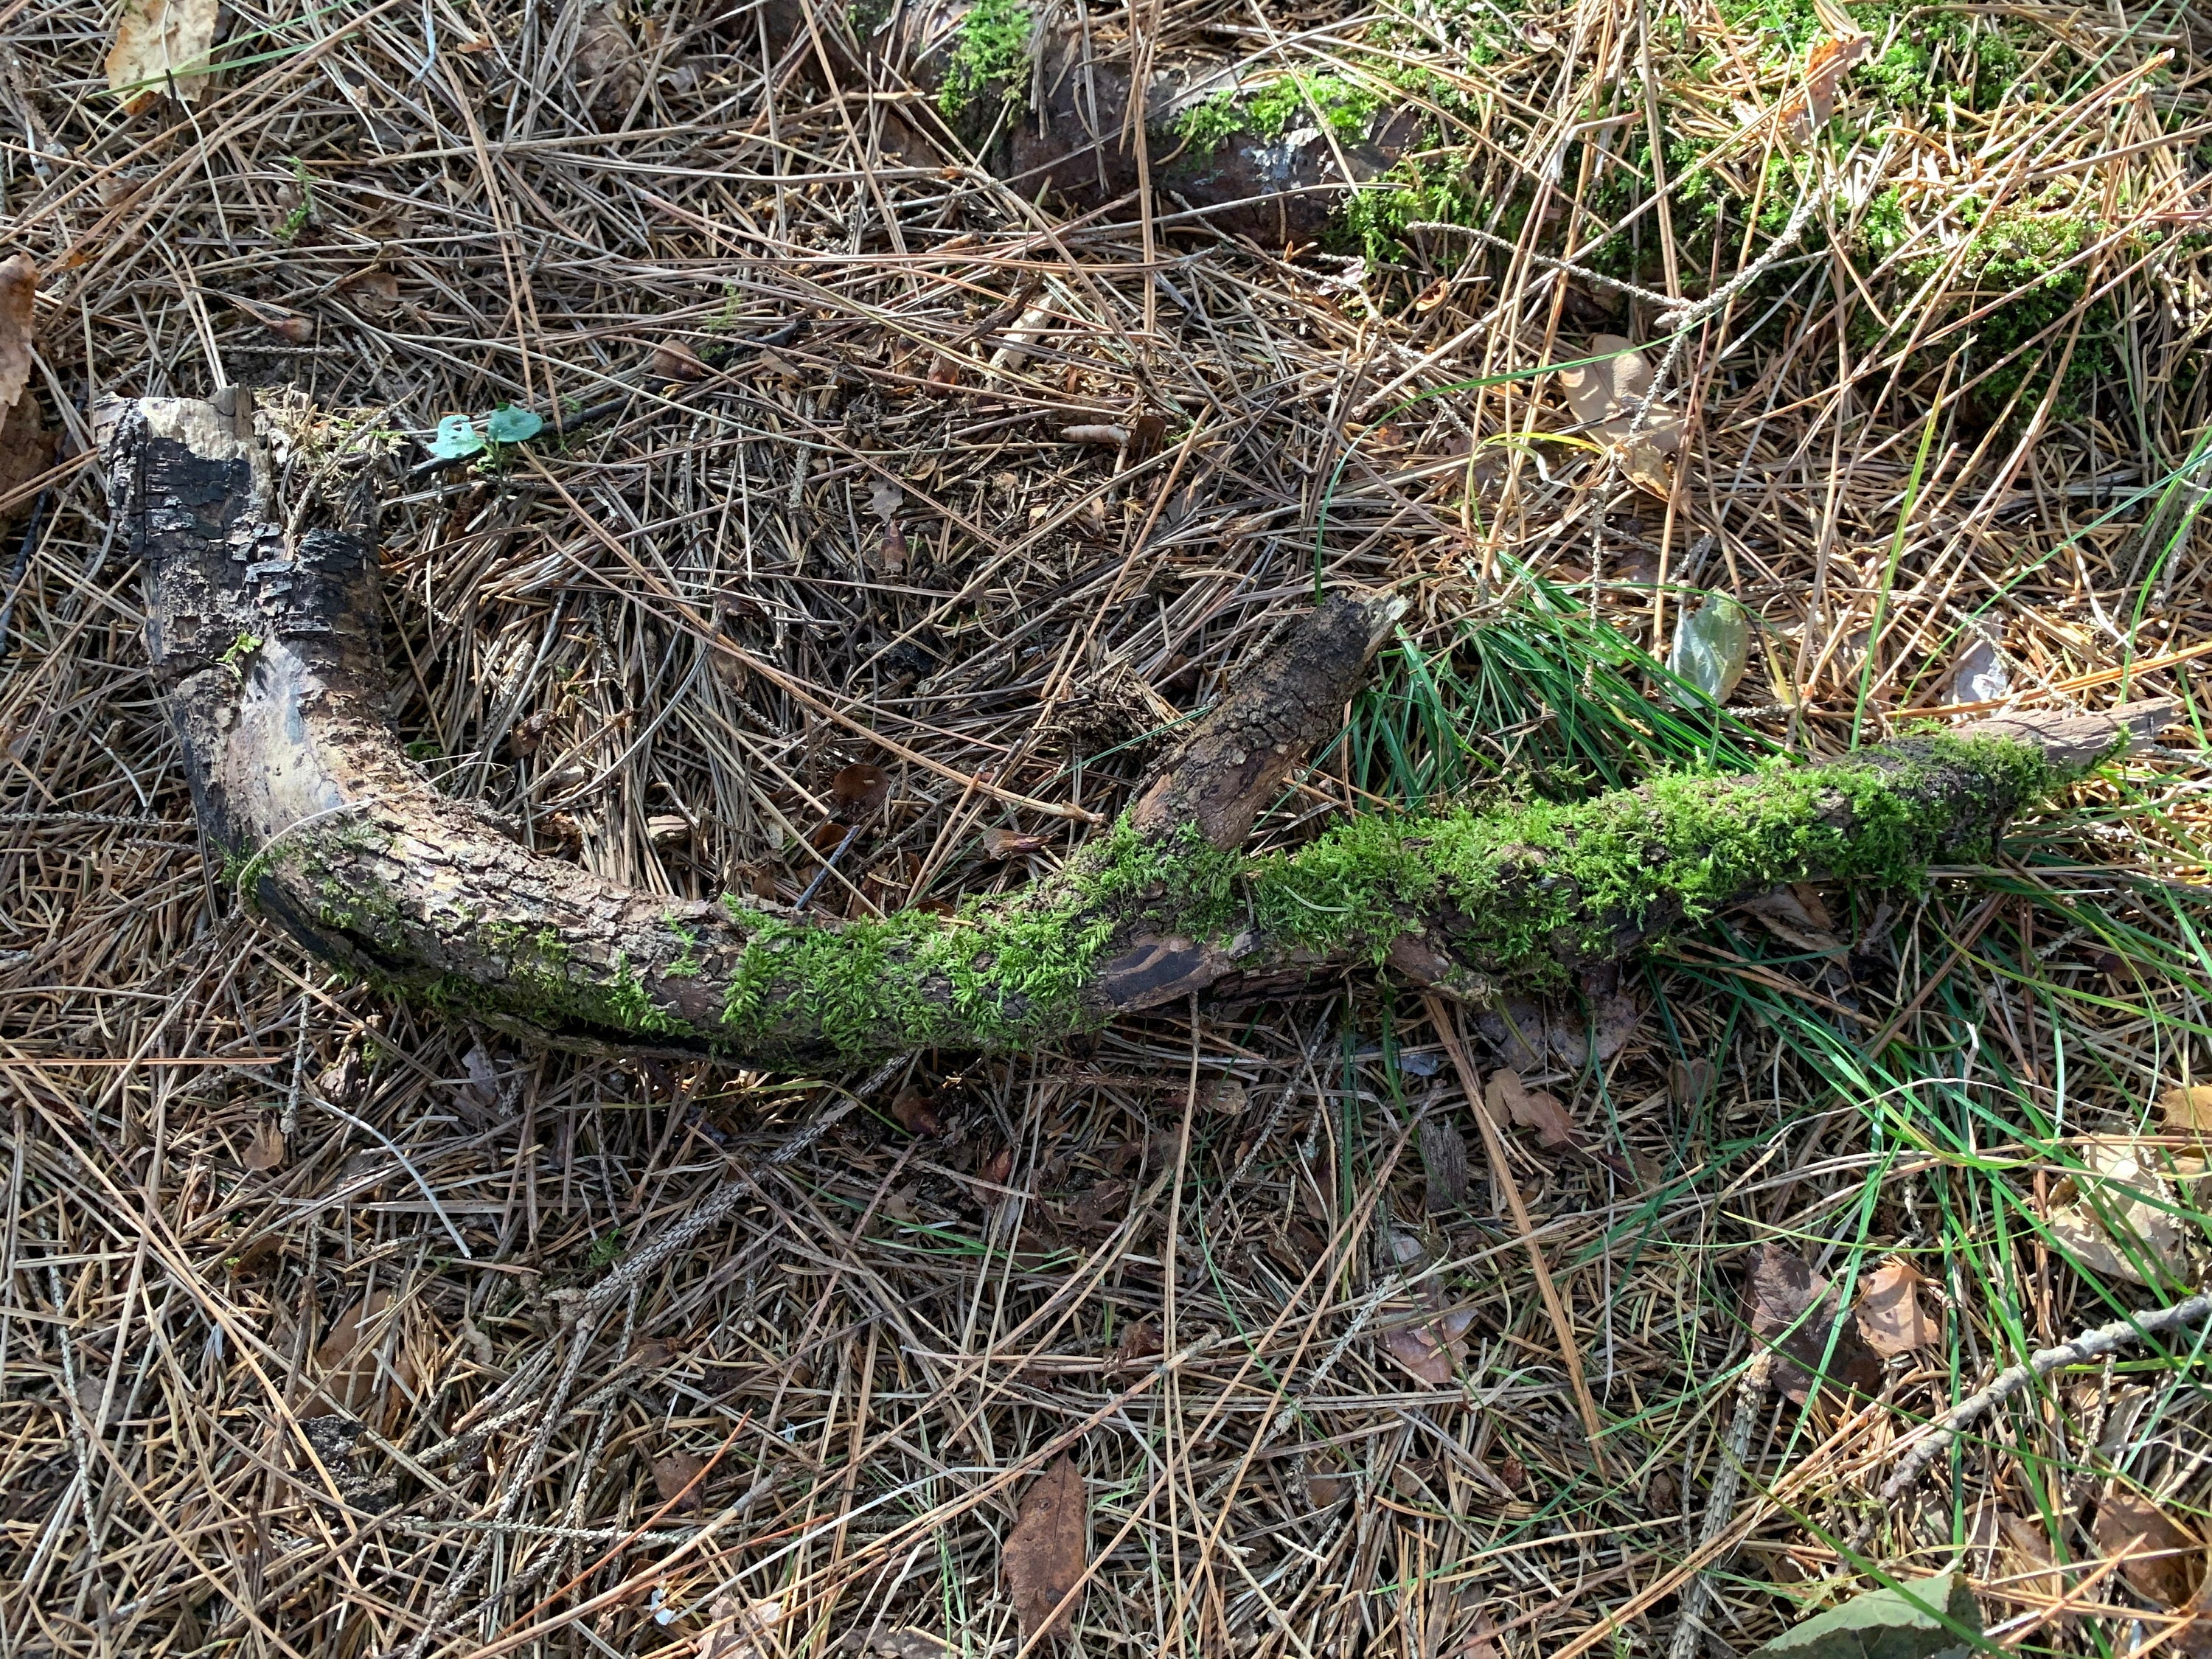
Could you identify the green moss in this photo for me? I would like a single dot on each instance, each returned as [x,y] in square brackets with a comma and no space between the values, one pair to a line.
[1211,121]
[991,53]
[1548,884]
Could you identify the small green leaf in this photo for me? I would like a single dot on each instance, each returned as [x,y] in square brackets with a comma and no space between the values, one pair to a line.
[1935,1619]
[456,439]
[509,425]
[1711,645]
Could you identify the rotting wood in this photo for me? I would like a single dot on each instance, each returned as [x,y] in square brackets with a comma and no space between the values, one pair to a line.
[268,647]
[1051,111]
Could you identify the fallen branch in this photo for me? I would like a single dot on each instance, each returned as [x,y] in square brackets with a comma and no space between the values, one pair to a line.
[268,647]
[2089,1344]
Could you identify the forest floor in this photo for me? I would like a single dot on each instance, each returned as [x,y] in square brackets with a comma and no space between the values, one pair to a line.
[300,1318]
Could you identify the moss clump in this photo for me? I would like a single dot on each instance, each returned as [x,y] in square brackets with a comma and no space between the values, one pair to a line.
[999,971]
[1345,106]
[992,51]
[1549,886]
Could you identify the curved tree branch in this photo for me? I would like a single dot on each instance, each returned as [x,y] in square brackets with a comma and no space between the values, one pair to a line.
[267,648]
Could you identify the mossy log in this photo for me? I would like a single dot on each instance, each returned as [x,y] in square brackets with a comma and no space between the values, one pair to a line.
[268,650]
[1246,145]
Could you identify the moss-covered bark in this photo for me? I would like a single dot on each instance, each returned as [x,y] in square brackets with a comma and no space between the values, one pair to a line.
[303,789]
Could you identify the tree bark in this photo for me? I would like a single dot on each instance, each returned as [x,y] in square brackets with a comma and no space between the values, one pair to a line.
[267,648]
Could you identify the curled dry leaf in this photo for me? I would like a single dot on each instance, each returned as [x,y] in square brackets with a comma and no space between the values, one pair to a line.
[1049,1549]
[161,46]
[860,789]
[915,1116]
[1796,916]
[884,499]
[1890,1316]
[374,291]
[2118,1217]
[1532,1108]
[1139,1342]
[674,361]
[1004,844]
[267,1151]
[18,287]
[676,1479]
[1432,1349]
[2161,1561]
[1799,1315]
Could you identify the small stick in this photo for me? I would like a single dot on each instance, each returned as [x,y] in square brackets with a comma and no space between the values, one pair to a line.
[1720,1503]
[2089,1344]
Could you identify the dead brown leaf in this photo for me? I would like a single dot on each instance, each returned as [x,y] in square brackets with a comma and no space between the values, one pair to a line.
[2118,1217]
[1003,844]
[1797,1314]
[859,790]
[348,1356]
[1432,1350]
[1048,1548]
[19,284]
[676,1479]
[674,361]
[608,74]
[2189,1110]
[1890,1316]
[160,46]
[1224,1095]
[267,1151]
[373,290]
[26,449]
[2160,1561]
[1795,915]
[912,1109]
[1139,1340]
[1531,1108]
[1606,396]
[994,1171]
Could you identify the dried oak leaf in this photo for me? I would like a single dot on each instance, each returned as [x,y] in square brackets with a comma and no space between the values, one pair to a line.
[1532,1108]
[348,1356]
[1048,1548]
[2119,1218]
[1890,1316]
[1795,915]
[2161,1562]
[161,46]
[1798,1314]
[19,284]
[373,290]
